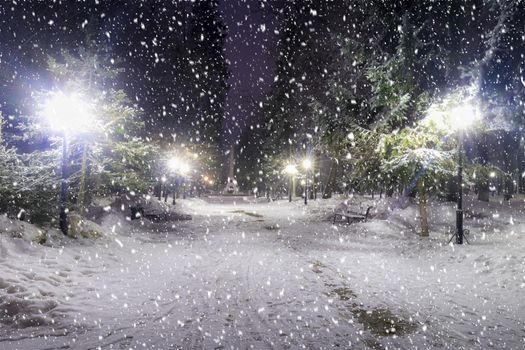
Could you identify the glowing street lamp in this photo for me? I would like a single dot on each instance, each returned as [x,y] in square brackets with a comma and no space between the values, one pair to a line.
[180,168]
[307,165]
[461,118]
[174,163]
[177,165]
[458,119]
[184,169]
[67,114]
[291,170]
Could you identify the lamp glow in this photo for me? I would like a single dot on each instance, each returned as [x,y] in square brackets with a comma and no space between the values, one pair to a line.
[68,112]
[307,164]
[174,163]
[463,116]
[290,169]
[456,119]
[177,165]
[184,168]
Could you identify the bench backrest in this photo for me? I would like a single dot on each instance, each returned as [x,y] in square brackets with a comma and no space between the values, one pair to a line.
[353,208]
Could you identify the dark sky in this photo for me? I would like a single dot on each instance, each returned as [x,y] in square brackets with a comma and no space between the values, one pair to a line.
[250,49]
[32,30]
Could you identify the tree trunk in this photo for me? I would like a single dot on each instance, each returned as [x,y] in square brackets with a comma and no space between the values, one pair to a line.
[330,183]
[423,215]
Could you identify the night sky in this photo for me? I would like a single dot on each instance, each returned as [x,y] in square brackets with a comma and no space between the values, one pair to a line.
[137,33]
[143,35]
[250,49]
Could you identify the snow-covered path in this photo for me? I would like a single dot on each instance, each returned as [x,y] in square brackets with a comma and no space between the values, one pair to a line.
[245,275]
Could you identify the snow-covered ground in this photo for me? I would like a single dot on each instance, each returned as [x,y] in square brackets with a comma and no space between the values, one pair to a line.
[245,274]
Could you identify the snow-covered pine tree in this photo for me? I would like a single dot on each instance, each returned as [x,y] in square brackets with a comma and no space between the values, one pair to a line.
[114,154]
[28,184]
[414,158]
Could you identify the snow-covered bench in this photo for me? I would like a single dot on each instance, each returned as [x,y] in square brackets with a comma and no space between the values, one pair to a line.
[351,212]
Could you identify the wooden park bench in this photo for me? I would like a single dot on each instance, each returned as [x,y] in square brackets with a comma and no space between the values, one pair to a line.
[351,213]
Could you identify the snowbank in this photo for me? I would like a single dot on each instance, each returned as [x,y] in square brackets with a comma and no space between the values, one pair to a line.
[251,274]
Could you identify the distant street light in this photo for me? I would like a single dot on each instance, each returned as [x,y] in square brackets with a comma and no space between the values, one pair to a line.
[307,165]
[180,168]
[461,118]
[67,114]
[163,186]
[291,170]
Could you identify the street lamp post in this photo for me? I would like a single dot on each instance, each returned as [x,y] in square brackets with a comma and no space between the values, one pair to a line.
[492,183]
[291,170]
[462,117]
[290,188]
[66,113]
[63,221]
[180,168]
[459,210]
[174,194]
[163,189]
[458,119]
[307,164]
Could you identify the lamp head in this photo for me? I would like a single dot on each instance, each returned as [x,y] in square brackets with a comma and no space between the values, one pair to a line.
[184,168]
[307,163]
[463,116]
[67,112]
[290,169]
[453,118]
[174,163]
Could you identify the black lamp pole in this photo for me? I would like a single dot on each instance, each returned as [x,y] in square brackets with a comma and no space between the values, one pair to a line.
[63,221]
[459,210]
[175,189]
[290,186]
[306,189]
